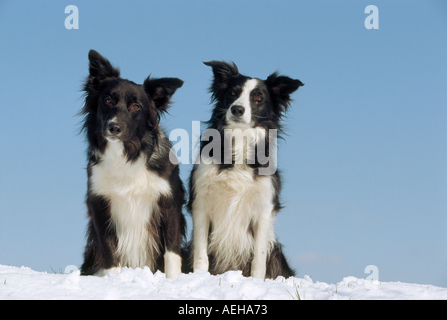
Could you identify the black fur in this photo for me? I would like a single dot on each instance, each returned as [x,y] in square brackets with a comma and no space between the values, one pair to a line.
[137,110]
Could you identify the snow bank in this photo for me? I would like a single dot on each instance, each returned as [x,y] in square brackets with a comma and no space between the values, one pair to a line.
[24,283]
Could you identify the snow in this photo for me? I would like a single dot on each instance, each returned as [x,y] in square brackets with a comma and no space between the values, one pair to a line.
[24,283]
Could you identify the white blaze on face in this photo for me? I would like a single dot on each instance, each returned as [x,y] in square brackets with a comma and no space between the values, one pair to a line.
[244,101]
[109,137]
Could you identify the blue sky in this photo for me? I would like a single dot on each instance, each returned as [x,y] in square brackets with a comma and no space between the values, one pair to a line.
[364,162]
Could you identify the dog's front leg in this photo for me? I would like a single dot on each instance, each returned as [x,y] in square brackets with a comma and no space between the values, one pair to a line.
[201,228]
[99,257]
[173,265]
[261,236]
[173,225]
[172,257]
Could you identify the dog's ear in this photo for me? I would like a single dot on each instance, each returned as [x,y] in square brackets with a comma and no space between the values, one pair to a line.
[99,69]
[281,87]
[223,72]
[161,90]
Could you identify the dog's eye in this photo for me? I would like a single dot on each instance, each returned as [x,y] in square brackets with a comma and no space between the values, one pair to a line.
[258,98]
[134,107]
[233,93]
[108,100]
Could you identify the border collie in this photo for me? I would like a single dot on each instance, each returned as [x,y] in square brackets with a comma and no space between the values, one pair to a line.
[135,195]
[234,202]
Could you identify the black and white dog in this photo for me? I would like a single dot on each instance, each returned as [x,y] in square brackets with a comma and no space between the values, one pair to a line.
[234,194]
[135,195]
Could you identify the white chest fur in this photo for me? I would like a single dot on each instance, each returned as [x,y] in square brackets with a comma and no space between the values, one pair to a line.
[133,192]
[234,202]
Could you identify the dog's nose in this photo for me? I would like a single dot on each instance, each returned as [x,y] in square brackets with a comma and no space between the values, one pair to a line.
[237,111]
[114,129]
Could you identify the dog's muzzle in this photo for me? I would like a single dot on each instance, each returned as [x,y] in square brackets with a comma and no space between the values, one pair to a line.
[113,131]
